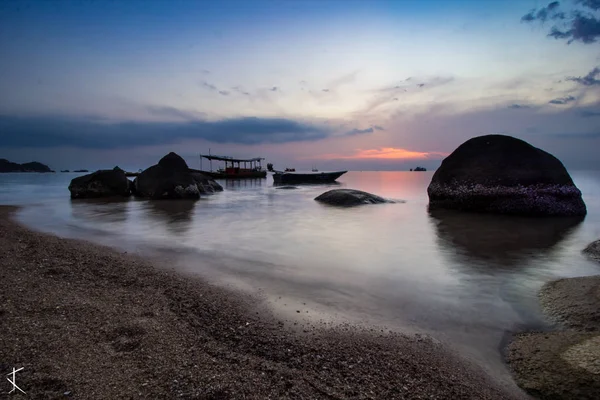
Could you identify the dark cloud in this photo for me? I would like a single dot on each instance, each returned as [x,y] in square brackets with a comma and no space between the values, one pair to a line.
[518,106]
[588,80]
[84,133]
[420,85]
[589,113]
[205,71]
[325,90]
[581,25]
[562,100]
[223,92]
[274,89]
[360,131]
[593,4]
[363,131]
[165,111]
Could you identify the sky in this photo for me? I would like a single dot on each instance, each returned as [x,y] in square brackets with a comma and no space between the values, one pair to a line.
[340,84]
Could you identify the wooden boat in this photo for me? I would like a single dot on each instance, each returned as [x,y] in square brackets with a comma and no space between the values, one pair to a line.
[252,167]
[282,177]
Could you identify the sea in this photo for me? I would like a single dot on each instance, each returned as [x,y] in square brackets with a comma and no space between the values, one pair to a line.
[467,280]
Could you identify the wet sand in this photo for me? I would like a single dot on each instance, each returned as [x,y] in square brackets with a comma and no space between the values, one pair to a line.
[564,364]
[89,322]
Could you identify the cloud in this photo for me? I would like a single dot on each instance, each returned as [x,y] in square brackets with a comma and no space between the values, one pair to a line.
[588,80]
[562,100]
[386,153]
[589,113]
[165,111]
[581,25]
[223,92]
[209,86]
[379,128]
[518,106]
[593,4]
[85,133]
[274,89]
[240,90]
[325,90]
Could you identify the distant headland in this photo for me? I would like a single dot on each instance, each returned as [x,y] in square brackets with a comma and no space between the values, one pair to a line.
[34,166]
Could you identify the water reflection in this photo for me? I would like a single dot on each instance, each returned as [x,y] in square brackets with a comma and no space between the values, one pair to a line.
[243,183]
[486,240]
[107,210]
[175,215]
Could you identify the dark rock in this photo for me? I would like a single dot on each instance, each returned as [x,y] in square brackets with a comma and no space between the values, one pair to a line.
[349,198]
[593,250]
[205,183]
[502,174]
[81,170]
[7,166]
[172,179]
[102,183]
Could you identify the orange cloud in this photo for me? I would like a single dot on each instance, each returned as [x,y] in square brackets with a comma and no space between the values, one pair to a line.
[385,153]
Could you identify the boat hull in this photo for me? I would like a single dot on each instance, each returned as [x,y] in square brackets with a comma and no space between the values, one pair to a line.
[315,177]
[240,175]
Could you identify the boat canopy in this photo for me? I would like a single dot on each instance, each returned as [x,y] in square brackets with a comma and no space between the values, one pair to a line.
[230,159]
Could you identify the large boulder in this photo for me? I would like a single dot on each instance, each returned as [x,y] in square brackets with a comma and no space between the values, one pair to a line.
[102,183]
[349,198]
[172,179]
[502,174]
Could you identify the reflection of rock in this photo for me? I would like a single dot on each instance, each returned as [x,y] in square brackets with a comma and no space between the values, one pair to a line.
[175,215]
[103,210]
[287,187]
[506,240]
[103,183]
[172,179]
[593,250]
[505,175]
[349,198]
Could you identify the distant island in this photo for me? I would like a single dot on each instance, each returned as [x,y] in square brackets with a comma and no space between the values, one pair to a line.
[65,170]
[81,170]
[7,166]
[420,169]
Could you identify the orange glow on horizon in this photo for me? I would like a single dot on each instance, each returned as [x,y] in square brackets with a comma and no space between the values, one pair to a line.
[385,153]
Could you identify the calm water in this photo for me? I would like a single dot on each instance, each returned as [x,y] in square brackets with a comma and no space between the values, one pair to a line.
[465,279]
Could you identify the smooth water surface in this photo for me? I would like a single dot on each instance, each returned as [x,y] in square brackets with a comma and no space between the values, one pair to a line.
[466,279]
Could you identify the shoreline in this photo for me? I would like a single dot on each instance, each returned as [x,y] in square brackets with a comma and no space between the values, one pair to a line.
[90,322]
[563,363]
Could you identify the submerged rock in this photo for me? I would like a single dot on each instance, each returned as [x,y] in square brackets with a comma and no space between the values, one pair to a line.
[102,183]
[172,179]
[502,174]
[349,198]
[593,250]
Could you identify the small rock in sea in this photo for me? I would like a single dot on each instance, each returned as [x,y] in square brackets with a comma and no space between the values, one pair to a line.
[349,198]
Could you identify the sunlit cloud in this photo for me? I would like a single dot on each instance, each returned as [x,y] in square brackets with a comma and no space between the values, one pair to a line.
[385,153]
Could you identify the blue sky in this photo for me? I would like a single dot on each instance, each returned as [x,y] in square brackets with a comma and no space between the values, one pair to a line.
[344,84]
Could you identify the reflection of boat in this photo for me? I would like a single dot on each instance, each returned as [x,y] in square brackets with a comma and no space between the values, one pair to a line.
[233,168]
[306,177]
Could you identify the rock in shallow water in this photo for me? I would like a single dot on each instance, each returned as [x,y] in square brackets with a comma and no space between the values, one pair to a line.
[593,250]
[172,179]
[505,175]
[349,198]
[102,183]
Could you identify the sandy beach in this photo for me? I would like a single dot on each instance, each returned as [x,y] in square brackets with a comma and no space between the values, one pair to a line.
[85,321]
